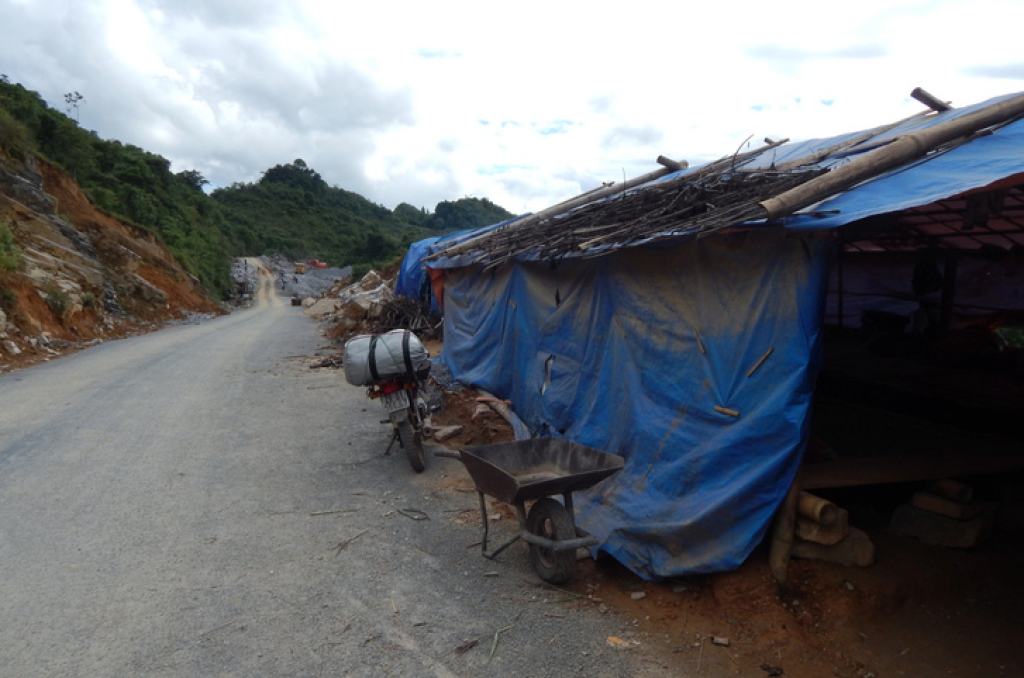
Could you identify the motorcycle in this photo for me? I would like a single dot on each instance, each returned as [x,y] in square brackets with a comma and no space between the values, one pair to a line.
[407,413]
[394,367]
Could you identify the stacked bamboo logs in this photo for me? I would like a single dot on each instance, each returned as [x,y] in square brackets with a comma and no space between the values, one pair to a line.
[822,531]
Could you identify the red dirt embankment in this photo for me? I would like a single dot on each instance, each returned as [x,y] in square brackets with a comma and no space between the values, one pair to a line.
[57,300]
[158,267]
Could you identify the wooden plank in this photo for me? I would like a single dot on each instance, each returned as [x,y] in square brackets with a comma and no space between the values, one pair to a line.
[902,468]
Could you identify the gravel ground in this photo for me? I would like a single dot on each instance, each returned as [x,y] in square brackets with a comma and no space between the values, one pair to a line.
[198,502]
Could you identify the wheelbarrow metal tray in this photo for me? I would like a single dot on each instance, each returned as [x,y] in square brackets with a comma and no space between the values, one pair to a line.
[535,468]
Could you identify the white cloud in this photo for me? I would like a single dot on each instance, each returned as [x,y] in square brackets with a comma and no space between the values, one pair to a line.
[526,104]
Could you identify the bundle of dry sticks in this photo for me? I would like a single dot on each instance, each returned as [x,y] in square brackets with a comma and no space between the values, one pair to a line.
[685,205]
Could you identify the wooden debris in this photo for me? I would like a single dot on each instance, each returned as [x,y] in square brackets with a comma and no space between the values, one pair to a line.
[467,646]
[334,361]
[345,544]
[758,363]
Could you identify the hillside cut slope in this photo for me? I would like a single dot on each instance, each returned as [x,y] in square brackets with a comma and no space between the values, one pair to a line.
[81,275]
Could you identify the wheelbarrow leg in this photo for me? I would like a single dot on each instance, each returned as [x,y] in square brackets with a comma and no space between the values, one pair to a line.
[520,512]
[483,516]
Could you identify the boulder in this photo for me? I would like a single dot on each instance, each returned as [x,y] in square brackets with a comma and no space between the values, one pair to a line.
[323,307]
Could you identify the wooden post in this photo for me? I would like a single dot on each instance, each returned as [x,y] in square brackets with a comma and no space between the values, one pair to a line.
[839,273]
[782,533]
[948,293]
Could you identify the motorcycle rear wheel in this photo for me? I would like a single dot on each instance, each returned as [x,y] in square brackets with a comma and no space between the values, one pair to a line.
[412,443]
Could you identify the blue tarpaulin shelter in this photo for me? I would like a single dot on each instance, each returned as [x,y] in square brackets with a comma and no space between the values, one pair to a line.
[695,358]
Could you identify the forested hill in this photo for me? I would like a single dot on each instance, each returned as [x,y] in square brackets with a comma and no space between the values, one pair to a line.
[291,210]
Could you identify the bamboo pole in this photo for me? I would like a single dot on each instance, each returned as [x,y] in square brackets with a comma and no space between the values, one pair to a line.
[930,100]
[902,150]
[821,154]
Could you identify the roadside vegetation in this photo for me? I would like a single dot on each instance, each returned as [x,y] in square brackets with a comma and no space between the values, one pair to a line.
[10,253]
[291,210]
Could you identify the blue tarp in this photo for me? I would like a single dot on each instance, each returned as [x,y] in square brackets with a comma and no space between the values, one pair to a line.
[653,353]
[631,353]
[413,281]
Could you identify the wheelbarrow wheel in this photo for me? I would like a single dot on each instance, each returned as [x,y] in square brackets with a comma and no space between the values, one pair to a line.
[413,446]
[549,519]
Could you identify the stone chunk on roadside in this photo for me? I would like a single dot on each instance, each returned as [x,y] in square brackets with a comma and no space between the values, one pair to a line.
[443,433]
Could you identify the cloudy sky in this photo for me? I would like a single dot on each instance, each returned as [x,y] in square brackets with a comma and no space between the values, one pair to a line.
[526,103]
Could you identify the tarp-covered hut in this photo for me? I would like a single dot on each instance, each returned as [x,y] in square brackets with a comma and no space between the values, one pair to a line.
[678,320]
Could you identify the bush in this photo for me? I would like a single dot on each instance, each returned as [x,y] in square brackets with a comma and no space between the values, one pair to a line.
[58,300]
[10,253]
[90,301]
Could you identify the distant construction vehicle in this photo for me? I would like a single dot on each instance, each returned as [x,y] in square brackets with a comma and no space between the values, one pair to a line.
[300,267]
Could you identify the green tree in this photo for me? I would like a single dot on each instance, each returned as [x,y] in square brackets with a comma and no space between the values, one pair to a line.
[193,179]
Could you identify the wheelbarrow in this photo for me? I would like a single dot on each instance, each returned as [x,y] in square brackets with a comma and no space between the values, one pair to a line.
[536,469]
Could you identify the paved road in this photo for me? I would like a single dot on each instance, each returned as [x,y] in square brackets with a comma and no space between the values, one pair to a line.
[198,502]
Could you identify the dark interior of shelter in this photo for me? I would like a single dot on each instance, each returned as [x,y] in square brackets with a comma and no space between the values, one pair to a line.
[922,380]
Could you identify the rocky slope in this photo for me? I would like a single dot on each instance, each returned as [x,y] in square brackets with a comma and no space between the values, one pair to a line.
[83,275]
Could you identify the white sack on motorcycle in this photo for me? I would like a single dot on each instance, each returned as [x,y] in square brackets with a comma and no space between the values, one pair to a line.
[372,358]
